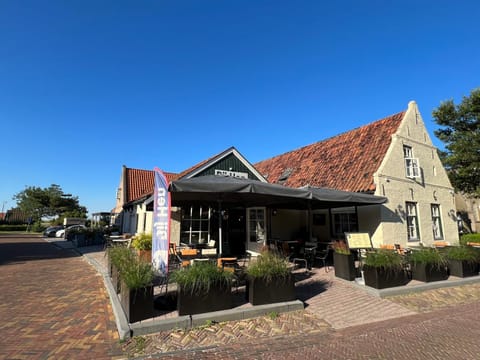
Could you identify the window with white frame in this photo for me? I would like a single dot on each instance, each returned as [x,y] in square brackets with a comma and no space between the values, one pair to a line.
[344,220]
[195,225]
[436,222]
[412,222]
[412,167]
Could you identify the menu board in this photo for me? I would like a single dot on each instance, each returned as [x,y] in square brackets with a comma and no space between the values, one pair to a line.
[358,240]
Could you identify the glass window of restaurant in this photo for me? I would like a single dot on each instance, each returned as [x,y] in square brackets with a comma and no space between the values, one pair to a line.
[344,220]
[195,225]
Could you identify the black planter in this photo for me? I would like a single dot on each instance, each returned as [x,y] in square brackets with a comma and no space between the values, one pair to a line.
[261,292]
[461,268]
[344,266]
[379,278]
[137,303]
[218,298]
[115,277]
[428,272]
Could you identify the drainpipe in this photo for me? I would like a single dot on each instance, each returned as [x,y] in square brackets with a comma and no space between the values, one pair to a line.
[220,245]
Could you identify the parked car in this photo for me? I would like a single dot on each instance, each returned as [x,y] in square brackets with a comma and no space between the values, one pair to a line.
[52,230]
[61,233]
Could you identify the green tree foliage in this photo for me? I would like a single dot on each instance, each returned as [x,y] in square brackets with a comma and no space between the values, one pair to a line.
[461,134]
[50,202]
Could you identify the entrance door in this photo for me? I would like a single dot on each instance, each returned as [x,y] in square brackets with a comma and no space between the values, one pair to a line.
[256,228]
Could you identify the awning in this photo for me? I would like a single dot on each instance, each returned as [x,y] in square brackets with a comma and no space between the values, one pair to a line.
[248,193]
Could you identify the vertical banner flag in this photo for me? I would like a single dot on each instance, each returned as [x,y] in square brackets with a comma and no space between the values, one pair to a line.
[161,223]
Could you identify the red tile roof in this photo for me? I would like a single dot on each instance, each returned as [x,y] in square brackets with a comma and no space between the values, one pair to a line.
[344,162]
[141,182]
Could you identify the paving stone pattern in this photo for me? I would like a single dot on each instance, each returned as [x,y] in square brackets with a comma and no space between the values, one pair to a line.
[53,304]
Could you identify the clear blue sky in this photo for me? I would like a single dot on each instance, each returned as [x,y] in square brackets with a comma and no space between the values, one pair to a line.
[87,86]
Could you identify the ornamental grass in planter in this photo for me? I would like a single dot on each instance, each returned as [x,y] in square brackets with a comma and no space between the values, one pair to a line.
[343,261]
[203,287]
[384,269]
[143,245]
[428,264]
[269,280]
[463,261]
[136,293]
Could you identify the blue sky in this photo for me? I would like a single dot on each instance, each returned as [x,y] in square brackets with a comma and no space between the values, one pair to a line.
[89,86]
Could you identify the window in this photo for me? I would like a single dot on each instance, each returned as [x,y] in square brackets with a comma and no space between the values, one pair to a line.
[344,220]
[412,222]
[412,167]
[195,225]
[436,222]
[256,225]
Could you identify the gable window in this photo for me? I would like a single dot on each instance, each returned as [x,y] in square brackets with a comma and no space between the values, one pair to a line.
[344,220]
[436,222]
[195,225]
[412,167]
[412,222]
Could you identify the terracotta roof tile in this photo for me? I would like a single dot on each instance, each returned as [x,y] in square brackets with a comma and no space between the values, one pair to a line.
[141,182]
[344,162]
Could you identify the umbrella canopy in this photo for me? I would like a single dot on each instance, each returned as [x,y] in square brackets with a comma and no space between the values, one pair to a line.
[248,192]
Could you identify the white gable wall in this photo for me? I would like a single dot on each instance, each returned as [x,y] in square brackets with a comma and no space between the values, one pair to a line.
[433,186]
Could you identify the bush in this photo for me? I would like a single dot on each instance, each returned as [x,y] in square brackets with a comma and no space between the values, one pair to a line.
[385,259]
[13,227]
[200,277]
[475,238]
[269,266]
[142,242]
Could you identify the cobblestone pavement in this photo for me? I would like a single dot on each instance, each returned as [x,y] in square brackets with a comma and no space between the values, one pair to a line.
[53,304]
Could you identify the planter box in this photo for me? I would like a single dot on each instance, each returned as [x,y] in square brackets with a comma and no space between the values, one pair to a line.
[344,266]
[137,303]
[428,273]
[115,277]
[379,278]
[259,292]
[145,255]
[215,300]
[462,268]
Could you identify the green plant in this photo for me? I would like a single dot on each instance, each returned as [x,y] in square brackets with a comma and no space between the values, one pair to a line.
[340,247]
[463,253]
[200,277]
[268,266]
[466,238]
[273,315]
[137,274]
[134,272]
[385,259]
[428,256]
[142,242]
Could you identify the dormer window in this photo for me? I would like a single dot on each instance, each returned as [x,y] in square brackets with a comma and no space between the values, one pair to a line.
[412,167]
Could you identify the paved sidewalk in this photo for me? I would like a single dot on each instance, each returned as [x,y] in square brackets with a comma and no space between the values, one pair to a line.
[53,304]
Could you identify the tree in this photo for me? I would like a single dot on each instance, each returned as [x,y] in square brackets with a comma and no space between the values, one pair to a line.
[50,202]
[461,135]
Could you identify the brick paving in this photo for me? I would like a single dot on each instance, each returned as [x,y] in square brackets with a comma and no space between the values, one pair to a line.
[53,304]
[341,321]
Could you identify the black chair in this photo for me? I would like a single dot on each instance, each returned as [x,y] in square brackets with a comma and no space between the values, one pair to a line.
[322,256]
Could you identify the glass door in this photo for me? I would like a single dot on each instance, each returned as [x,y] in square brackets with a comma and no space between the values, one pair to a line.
[256,229]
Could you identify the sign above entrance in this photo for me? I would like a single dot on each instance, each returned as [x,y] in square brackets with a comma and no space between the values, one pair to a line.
[236,174]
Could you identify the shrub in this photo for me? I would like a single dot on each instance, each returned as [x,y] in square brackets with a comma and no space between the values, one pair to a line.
[200,277]
[269,266]
[142,242]
[385,259]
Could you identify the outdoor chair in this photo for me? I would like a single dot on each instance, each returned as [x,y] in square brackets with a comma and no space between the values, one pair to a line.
[322,256]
